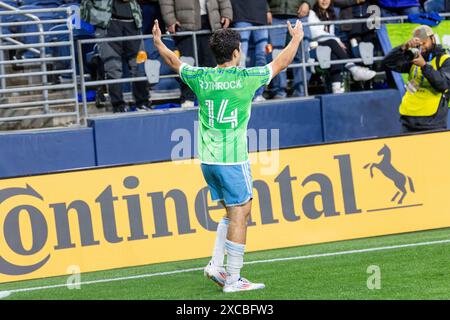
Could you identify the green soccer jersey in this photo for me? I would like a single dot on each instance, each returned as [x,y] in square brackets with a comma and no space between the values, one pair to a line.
[225,97]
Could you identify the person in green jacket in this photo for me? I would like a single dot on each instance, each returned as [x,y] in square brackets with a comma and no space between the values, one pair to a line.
[115,18]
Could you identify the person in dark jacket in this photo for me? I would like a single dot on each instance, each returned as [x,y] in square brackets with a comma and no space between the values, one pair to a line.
[251,13]
[195,15]
[354,9]
[425,103]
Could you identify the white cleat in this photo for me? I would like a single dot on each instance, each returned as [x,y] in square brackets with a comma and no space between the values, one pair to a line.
[216,274]
[242,285]
[362,73]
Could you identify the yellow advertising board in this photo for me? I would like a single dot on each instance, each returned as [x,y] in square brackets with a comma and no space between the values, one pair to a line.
[133,215]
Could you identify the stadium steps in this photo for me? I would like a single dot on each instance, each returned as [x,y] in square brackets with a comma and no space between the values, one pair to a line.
[158,97]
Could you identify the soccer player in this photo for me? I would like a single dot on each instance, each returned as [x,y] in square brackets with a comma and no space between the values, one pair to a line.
[225,96]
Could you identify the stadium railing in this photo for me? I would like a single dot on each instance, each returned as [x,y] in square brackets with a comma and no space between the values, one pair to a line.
[38,54]
[305,64]
[27,33]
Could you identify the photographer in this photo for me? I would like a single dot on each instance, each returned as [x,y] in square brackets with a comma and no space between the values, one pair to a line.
[425,103]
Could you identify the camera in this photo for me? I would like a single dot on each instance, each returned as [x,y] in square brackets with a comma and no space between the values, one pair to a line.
[412,53]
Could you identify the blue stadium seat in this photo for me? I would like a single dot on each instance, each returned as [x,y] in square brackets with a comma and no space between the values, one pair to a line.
[42,3]
[11,3]
[85,32]
[8,18]
[33,28]
[59,51]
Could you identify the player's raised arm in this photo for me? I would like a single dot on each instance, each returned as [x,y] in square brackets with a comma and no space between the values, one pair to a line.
[285,58]
[170,58]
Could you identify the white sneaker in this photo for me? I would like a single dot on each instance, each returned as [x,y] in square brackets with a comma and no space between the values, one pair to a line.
[242,285]
[362,73]
[187,104]
[259,98]
[336,87]
[216,274]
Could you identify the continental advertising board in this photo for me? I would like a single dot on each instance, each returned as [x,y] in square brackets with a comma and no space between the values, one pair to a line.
[133,215]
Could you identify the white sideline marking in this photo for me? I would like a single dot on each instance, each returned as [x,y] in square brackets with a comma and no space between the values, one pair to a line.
[6,293]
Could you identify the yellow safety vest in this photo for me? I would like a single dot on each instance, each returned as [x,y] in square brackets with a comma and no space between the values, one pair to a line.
[425,101]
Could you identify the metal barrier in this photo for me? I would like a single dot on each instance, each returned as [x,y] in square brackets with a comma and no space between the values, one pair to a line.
[85,84]
[11,41]
[40,48]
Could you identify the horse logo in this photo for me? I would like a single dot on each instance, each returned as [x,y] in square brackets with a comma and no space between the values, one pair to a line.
[390,172]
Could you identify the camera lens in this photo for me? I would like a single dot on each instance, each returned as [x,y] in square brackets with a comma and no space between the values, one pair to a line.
[411,54]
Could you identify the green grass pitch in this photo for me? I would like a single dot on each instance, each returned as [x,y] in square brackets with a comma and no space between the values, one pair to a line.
[406,272]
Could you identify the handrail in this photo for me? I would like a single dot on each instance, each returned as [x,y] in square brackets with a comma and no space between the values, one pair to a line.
[29,11]
[42,50]
[253,28]
[49,106]
[11,8]
[84,84]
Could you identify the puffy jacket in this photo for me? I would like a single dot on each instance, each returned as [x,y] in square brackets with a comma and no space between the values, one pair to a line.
[399,3]
[187,12]
[286,7]
[99,12]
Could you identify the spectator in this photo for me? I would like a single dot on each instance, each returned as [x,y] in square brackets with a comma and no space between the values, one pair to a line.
[435,6]
[247,14]
[114,19]
[150,12]
[353,34]
[391,8]
[323,10]
[195,15]
[355,9]
[280,12]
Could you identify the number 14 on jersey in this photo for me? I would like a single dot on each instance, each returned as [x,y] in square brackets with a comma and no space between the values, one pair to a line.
[221,118]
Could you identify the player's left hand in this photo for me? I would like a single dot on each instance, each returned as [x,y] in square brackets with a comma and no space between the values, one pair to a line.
[225,22]
[156,31]
[420,61]
[296,31]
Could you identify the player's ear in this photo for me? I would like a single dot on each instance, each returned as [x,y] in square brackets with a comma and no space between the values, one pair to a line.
[236,53]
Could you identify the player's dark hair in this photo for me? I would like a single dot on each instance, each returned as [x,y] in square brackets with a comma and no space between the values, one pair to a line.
[223,42]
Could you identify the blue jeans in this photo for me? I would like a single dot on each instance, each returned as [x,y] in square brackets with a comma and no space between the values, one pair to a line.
[392,12]
[260,39]
[150,12]
[434,6]
[278,40]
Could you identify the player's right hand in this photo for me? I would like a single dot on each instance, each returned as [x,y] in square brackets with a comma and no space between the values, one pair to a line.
[296,32]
